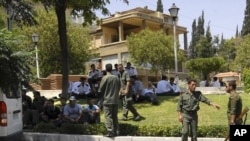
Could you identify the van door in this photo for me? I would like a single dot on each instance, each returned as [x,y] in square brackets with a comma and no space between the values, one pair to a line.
[11,115]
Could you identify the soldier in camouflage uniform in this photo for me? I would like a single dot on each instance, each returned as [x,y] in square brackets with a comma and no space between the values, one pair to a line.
[188,106]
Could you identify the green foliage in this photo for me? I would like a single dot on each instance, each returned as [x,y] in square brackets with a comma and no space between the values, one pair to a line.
[201,45]
[13,68]
[20,11]
[243,51]
[205,65]
[152,47]
[246,23]
[216,131]
[86,9]
[159,6]
[132,130]
[246,80]
[48,45]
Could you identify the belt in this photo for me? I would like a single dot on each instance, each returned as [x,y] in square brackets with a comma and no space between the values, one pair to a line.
[189,112]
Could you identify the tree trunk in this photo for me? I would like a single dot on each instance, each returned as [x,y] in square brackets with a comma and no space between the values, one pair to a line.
[61,16]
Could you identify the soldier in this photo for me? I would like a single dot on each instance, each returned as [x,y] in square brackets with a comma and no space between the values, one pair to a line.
[234,106]
[131,70]
[109,89]
[126,94]
[188,106]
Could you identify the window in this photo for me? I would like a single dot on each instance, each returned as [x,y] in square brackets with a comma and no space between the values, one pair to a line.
[13,92]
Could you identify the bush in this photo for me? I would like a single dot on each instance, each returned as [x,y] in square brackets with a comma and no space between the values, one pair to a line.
[131,130]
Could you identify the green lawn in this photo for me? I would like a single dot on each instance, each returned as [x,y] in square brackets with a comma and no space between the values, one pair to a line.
[165,113]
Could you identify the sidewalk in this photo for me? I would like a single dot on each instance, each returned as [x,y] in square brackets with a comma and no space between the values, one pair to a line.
[28,136]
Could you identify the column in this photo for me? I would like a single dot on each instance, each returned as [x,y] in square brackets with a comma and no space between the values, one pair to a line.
[121,31]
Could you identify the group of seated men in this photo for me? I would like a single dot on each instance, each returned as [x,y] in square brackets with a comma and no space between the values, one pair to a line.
[87,87]
[163,88]
[41,109]
[167,88]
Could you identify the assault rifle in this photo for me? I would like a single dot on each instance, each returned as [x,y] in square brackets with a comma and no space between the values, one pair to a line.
[243,113]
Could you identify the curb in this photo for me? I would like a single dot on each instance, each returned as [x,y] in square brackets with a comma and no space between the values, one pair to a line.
[28,136]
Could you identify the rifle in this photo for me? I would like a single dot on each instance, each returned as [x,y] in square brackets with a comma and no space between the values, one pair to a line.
[243,113]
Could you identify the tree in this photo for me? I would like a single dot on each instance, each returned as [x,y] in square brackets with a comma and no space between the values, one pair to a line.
[205,65]
[20,11]
[204,45]
[192,49]
[13,68]
[159,6]
[227,50]
[243,51]
[246,23]
[48,45]
[197,33]
[87,10]
[152,47]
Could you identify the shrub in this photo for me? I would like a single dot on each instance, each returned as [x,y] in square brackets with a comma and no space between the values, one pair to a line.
[131,130]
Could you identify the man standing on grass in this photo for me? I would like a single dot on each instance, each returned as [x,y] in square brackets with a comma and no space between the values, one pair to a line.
[234,106]
[188,106]
[109,89]
[126,94]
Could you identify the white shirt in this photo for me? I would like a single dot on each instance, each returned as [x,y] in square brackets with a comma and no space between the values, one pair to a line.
[215,84]
[95,74]
[78,88]
[115,72]
[175,88]
[163,86]
[149,90]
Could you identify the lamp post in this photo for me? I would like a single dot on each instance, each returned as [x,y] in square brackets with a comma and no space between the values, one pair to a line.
[35,38]
[239,71]
[174,14]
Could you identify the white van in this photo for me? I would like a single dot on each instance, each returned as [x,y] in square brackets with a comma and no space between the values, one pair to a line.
[11,125]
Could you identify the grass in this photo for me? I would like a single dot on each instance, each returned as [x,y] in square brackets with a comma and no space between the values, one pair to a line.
[165,113]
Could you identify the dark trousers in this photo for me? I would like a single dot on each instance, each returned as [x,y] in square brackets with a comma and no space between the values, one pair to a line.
[127,104]
[91,117]
[111,119]
[169,93]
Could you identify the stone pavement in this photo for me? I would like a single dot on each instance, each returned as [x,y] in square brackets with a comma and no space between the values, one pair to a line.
[28,136]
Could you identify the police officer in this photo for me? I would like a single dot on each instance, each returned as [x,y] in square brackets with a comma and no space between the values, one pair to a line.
[131,70]
[94,78]
[109,89]
[126,94]
[115,71]
[188,106]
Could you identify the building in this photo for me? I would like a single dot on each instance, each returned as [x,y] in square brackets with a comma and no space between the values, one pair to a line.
[110,37]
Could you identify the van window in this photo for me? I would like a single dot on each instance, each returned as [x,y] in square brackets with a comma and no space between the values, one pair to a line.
[12,93]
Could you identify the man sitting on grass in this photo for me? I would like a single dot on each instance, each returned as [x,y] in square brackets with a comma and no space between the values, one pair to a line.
[163,87]
[91,113]
[72,112]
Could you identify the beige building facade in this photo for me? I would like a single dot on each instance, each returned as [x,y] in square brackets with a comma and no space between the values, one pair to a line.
[109,39]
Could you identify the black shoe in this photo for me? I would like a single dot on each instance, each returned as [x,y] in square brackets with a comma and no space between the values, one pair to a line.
[124,119]
[110,135]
